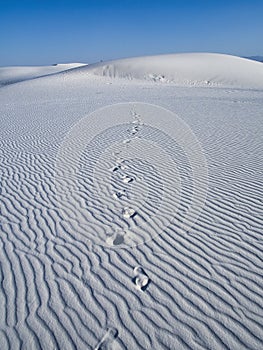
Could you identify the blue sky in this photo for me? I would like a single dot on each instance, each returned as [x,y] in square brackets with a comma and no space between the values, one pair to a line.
[45,32]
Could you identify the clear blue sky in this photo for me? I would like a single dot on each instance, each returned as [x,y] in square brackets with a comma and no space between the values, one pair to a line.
[36,32]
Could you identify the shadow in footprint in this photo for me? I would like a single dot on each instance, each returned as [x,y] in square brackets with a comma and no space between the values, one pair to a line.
[128,213]
[118,240]
[115,240]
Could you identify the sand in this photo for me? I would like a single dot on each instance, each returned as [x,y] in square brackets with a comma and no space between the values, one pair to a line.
[131,205]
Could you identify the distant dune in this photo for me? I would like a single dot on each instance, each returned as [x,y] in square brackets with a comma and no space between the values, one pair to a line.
[11,75]
[255,58]
[200,69]
[187,69]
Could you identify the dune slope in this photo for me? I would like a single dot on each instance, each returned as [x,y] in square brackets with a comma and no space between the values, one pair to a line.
[185,69]
[11,75]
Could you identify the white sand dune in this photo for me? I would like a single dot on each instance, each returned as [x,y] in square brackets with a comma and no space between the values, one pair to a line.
[185,69]
[11,75]
[196,287]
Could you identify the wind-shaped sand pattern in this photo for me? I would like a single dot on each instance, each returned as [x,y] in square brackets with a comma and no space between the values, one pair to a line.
[62,285]
[124,176]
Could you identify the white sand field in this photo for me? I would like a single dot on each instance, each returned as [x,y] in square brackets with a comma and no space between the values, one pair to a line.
[131,204]
[11,75]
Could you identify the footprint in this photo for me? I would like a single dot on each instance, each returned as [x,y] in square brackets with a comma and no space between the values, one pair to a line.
[119,194]
[136,116]
[121,162]
[128,213]
[116,239]
[139,269]
[141,279]
[135,129]
[120,165]
[114,168]
[108,338]
[127,179]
